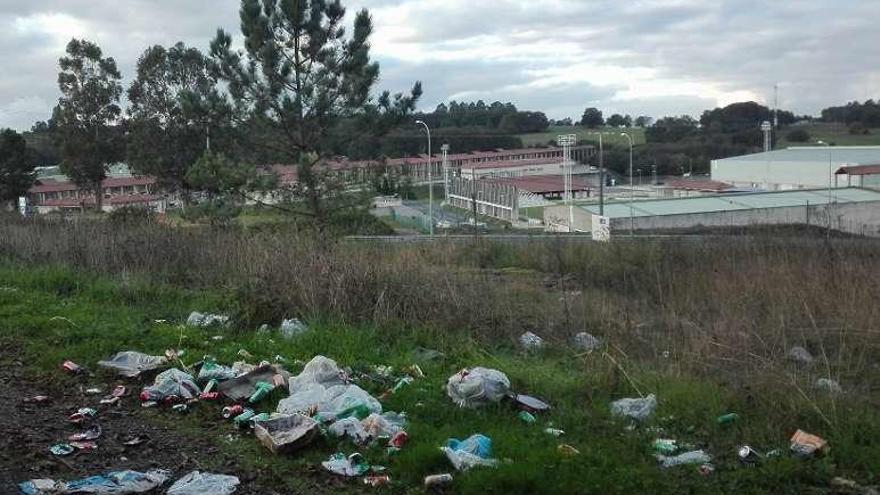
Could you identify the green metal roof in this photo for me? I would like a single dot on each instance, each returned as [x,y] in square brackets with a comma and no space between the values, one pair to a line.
[733,202]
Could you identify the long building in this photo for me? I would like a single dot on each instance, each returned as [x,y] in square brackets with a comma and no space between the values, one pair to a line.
[49,195]
[794,168]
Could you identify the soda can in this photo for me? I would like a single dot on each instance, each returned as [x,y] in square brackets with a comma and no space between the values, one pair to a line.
[85,413]
[398,440]
[748,455]
[243,418]
[149,403]
[726,419]
[61,449]
[84,445]
[209,396]
[527,417]
[212,384]
[567,450]
[119,391]
[93,391]
[71,367]
[181,408]
[436,480]
[232,411]
[109,401]
[556,432]
[376,481]
[37,399]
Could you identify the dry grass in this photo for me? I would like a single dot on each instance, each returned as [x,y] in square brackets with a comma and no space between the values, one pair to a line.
[729,308]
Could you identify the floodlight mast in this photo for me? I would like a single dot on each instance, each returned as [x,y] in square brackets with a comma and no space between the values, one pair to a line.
[567,141]
[430,182]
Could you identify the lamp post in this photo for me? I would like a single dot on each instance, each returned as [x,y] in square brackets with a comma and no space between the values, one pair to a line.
[445,150]
[430,183]
[601,176]
[567,141]
[631,187]
[830,180]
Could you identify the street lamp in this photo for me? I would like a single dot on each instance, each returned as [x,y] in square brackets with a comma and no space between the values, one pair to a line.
[631,190]
[601,176]
[430,182]
[445,150]
[830,180]
[567,141]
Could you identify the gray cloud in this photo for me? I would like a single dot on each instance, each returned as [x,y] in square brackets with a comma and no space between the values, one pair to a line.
[653,57]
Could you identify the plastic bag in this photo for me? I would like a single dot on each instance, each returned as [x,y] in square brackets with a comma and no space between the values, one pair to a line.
[132,364]
[351,427]
[171,382]
[210,370]
[693,457]
[197,319]
[320,370]
[347,400]
[531,341]
[304,401]
[638,409]
[196,483]
[476,450]
[293,327]
[371,427]
[477,387]
[113,483]
[586,342]
[353,465]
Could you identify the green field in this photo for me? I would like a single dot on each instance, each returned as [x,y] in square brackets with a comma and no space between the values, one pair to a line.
[610,135]
[837,134]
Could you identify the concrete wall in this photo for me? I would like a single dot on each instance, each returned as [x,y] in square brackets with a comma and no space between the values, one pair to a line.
[556,219]
[854,218]
[772,175]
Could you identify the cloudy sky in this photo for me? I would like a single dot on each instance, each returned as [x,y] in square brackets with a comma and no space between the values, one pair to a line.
[654,57]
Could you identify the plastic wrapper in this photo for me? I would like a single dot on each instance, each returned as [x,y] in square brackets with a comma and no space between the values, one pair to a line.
[132,364]
[320,370]
[196,483]
[693,457]
[474,451]
[112,483]
[331,403]
[197,319]
[531,341]
[637,409]
[477,387]
[291,328]
[171,382]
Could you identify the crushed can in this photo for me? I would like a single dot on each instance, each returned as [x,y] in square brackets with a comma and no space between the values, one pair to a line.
[726,419]
[61,449]
[84,445]
[748,455]
[398,440]
[37,399]
[82,415]
[527,417]
[437,480]
[72,368]
[262,389]
[242,419]
[119,391]
[212,384]
[209,396]
[180,408]
[665,446]
[376,481]
[556,432]
[232,411]
[109,401]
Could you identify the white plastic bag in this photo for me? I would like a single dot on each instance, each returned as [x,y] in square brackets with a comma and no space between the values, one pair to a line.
[132,364]
[638,409]
[320,370]
[292,328]
[196,483]
[477,387]
[171,382]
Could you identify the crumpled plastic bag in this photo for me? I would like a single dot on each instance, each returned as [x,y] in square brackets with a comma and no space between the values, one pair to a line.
[196,483]
[476,450]
[331,403]
[373,426]
[353,465]
[586,342]
[321,370]
[132,364]
[531,341]
[112,483]
[292,327]
[210,370]
[197,319]
[171,382]
[637,409]
[477,387]
[693,457]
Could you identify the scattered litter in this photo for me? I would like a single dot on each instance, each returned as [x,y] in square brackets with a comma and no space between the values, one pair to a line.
[377,481]
[84,445]
[244,386]
[333,403]
[353,465]
[800,355]
[693,457]
[37,399]
[437,480]
[828,386]
[531,341]
[320,370]
[210,370]
[82,415]
[665,446]
[706,469]
[245,354]
[398,440]
[637,409]
[171,384]
[748,455]
[286,434]
[131,364]
[726,419]
[196,483]
[61,449]
[93,433]
[244,418]
[585,342]
[92,391]
[527,417]
[529,403]
[804,444]
[414,371]
[72,368]
[556,432]
[261,390]
[136,440]
[476,450]
[567,450]
[292,328]
[373,426]
[113,483]
[477,387]
[232,411]
[180,408]
[197,319]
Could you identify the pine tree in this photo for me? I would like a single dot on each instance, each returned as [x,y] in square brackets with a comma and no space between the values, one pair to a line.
[86,115]
[16,166]
[300,76]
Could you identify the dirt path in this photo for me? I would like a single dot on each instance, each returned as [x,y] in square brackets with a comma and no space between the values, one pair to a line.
[28,429]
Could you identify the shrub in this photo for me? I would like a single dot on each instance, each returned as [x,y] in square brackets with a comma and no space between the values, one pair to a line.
[798,136]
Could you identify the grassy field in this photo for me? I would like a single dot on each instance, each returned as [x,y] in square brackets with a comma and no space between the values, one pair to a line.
[107,317]
[610,135]
[704,326]
[837,134]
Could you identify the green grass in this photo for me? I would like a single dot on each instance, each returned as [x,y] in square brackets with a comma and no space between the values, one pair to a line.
[103,316]
[611,136]
[838,134]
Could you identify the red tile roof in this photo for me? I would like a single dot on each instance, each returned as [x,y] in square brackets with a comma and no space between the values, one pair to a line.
[515,163]
[859,170]
[543,184]
[52,185]
[120,200]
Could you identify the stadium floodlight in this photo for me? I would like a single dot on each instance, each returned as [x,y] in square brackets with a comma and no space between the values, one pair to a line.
[631,187]
[567,141]
[430,182]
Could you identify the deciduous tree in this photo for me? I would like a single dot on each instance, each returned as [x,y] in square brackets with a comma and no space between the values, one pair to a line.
[16,166]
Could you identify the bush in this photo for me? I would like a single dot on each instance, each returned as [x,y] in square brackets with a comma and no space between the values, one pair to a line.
[798,136]
[858,129]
